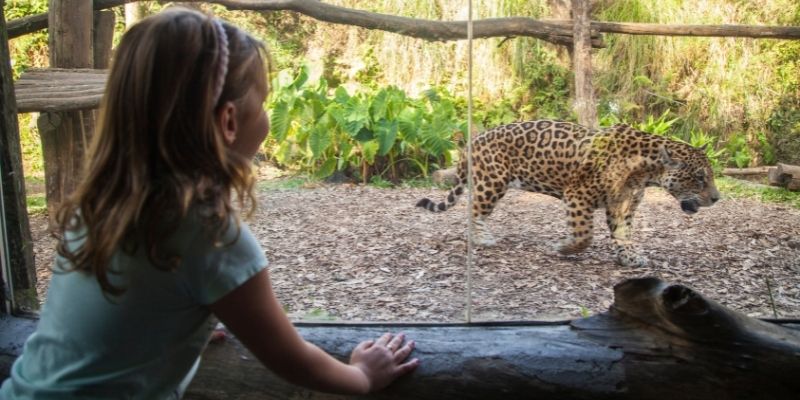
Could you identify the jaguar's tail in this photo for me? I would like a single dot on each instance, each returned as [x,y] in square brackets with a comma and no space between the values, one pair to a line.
[452,196]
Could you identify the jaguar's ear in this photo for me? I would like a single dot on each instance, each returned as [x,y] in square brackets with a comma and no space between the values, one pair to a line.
[667,160]
[703,148]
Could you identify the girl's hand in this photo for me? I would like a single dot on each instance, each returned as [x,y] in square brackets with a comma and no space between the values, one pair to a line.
[382,360]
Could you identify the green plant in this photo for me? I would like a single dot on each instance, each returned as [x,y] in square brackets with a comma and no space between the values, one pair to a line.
[766,149]
[37,204]
[738,150]
[658,126]
[379,132]
[700,139]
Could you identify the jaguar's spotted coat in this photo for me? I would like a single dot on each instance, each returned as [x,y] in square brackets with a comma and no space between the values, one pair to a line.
[587,169]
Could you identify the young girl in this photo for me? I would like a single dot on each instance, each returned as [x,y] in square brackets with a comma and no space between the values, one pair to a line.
[151,244]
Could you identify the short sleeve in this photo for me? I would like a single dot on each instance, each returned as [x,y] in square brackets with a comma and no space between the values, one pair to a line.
[218,270]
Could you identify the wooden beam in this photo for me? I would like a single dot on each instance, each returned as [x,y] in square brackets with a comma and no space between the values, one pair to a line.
[15,212]
[555,32]
[36,22]
[752,31]
[585,105]
[60,89]
[656,341]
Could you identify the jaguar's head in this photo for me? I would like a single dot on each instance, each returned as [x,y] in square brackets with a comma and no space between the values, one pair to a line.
[688,177]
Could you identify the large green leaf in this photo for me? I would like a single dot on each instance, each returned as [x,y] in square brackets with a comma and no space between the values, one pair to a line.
[301,78]
[318,141]
[386,133]
[379,104]
[409,122]
[327,169]
[279,121]
[369,150]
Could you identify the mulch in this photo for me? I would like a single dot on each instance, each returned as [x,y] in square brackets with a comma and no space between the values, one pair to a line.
[359,253]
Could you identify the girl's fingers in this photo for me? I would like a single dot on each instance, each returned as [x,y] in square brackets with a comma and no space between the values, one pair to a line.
[365,345]
[384,339]
[396,342]
[404,351]
[405,368]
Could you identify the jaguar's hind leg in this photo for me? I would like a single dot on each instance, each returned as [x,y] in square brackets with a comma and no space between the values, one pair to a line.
[486,198]
[481,235]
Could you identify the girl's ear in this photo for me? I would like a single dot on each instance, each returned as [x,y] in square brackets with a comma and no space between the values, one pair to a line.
[226,118]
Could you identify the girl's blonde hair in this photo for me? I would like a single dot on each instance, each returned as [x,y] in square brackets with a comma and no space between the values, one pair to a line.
[157,152]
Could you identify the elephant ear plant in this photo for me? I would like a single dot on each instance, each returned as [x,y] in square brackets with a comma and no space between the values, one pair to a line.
[378,132]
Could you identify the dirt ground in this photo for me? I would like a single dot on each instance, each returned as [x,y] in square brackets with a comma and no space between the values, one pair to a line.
[359,253]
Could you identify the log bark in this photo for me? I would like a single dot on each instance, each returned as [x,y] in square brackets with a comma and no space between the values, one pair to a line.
[585,106]
[656,341]
[14,218]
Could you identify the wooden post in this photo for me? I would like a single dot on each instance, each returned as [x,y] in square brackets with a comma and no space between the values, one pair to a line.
[65,135]
[585,106]
[103,37]
[15,213]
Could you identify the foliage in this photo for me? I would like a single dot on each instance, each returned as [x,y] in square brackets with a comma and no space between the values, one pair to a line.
[379,132]
[28,50]
[740,154]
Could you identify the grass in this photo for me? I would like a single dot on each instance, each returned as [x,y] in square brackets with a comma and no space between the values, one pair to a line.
[287,183]
[740,189]
[36,204]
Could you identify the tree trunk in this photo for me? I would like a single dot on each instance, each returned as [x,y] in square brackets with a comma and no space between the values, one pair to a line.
[656,341]
[14,217]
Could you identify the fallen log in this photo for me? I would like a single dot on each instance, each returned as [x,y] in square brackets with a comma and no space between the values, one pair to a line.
[785,175]
[746,173]
[656,341]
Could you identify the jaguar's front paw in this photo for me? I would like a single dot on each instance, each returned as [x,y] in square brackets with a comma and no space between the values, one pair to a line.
[485,240]
[570,246]
[632,259]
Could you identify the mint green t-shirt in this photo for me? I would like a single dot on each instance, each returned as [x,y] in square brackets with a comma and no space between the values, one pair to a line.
[141,344]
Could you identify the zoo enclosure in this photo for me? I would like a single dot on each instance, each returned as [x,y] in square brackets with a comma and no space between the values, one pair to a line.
[78,81]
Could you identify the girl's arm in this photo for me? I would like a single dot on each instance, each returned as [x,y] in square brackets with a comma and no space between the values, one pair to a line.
[252,313]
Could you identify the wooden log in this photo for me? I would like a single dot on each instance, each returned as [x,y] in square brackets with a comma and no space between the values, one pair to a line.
[445,177]
[790,170]
[775,178]
[656,341]
[746,172]
[785,175]
[17,249]
[585,106]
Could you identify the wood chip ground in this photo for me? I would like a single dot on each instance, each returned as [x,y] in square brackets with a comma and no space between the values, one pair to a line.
[360,253]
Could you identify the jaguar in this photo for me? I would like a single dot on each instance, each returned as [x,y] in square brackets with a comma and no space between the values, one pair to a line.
[588,169]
